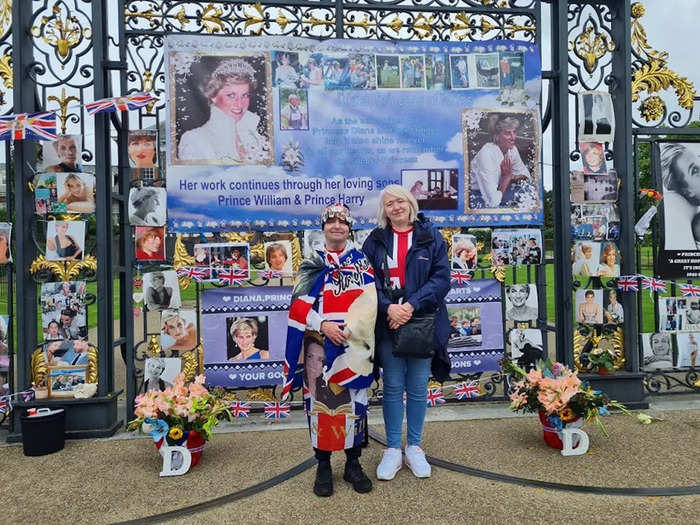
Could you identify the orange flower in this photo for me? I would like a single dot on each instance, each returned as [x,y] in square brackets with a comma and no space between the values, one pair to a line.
[567,415]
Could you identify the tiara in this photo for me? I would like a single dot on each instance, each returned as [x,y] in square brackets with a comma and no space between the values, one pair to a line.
[236,66]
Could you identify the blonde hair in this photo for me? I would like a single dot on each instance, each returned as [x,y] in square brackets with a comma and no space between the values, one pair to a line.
[244,323]
[400,193]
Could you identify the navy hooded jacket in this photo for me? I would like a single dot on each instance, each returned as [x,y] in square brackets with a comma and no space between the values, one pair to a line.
[427,283]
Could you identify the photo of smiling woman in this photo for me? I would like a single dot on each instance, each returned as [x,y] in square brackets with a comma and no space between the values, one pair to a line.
[226,114]
[142,148]
[248,335]
[77,191]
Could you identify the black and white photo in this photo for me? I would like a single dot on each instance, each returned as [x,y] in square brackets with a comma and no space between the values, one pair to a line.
[159,372]
[161,290]
[596,118]
[147,206]
[657,351]
[521,302]
[526,347]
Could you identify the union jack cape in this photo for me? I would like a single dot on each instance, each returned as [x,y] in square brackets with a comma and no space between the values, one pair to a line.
[344,286]
[127,103]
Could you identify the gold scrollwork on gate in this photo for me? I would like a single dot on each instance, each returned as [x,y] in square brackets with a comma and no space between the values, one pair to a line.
[62,31]
[64,270]
[63,102]
[614,341]
[591,45]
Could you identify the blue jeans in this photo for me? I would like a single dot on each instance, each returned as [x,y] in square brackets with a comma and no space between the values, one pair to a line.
[403,374]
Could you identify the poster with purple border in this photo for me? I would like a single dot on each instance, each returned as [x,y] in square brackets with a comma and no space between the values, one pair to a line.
[476,327]
[244,332]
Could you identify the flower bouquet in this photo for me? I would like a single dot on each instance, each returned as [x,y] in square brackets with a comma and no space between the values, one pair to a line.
[558,395]
[180,414]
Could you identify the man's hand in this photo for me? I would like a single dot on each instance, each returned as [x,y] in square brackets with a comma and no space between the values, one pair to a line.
[334,332]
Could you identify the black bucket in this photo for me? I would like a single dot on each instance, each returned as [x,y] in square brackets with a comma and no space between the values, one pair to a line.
[43,433]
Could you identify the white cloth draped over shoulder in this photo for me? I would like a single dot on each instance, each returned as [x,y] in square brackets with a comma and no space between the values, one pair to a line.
[216,138]
[485,171]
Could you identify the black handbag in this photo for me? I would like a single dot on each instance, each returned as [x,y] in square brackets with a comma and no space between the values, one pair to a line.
[416,338]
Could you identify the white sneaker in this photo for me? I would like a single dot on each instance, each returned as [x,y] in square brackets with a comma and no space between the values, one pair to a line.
[415,460]
[390,464]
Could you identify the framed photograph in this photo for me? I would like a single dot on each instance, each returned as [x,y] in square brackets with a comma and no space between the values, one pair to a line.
[464,252]
[434,189]
[161,290]
[217,120]
[5,242]
[521,302]
[286,70]
[526,347]
[516,247]
[388,74]
[62,155]
[76,191]
[314,240]
[589,306]
[159,372]
[486,133]
[149,243]
[143,148]
[688,345]
[65,240]
[613,313]
[63,310]
[62,380]
[412,71]
[586,258]
[294,109]
[437,72]
[512,69]
[65,352]
[465,326]
[278,257]
[178,330]
[487,70]
[147,206]
[657,351]
[596,117]
[600,188]
[459,70]
[593,158]
[248,338]
[222,257]
[46,195]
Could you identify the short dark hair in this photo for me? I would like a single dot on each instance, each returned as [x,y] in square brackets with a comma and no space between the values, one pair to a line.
[69,312]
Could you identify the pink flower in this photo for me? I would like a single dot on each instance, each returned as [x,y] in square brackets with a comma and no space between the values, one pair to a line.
[197,390]
[534,377]
[558,369]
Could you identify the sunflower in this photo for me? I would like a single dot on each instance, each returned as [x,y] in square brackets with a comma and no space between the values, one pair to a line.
[567,415]
[175,433]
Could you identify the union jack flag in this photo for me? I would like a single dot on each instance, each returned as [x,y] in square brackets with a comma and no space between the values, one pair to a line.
[277,410]
[461,277]
[655,285]
[466,389]
[435,397]
[628,283]
[240,409]
[28,395]
[192,272]
[270,274]
[232,276]
[4,405]
[689,290]
[110,105]
[29,126]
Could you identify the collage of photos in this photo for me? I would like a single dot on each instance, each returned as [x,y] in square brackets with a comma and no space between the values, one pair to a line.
[178,330]
[63,310]
[595,222]
[223,256]
[465,327]
[526,347]
[599,307]
[159,372]
[662,350]
[64,193]
[161,290]
[434,189]
[595,259]
[497,142]
[516,247]
[521,302]
[679,314]
[465,254]
[248,338]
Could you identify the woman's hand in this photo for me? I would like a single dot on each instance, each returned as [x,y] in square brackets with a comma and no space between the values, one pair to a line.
[399,314]
[334,332]
[506,174]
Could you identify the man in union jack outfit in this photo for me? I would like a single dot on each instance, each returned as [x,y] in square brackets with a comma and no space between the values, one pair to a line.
[331,332]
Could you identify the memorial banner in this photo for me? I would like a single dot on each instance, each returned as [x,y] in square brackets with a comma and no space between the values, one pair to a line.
[476,327]
[244,331]
[264,132]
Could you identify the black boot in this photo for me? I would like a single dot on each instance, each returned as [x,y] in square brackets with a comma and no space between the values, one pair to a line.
[355,475]
[323,486]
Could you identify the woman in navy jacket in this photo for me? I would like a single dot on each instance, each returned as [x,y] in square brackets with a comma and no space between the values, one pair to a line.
[415,255]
